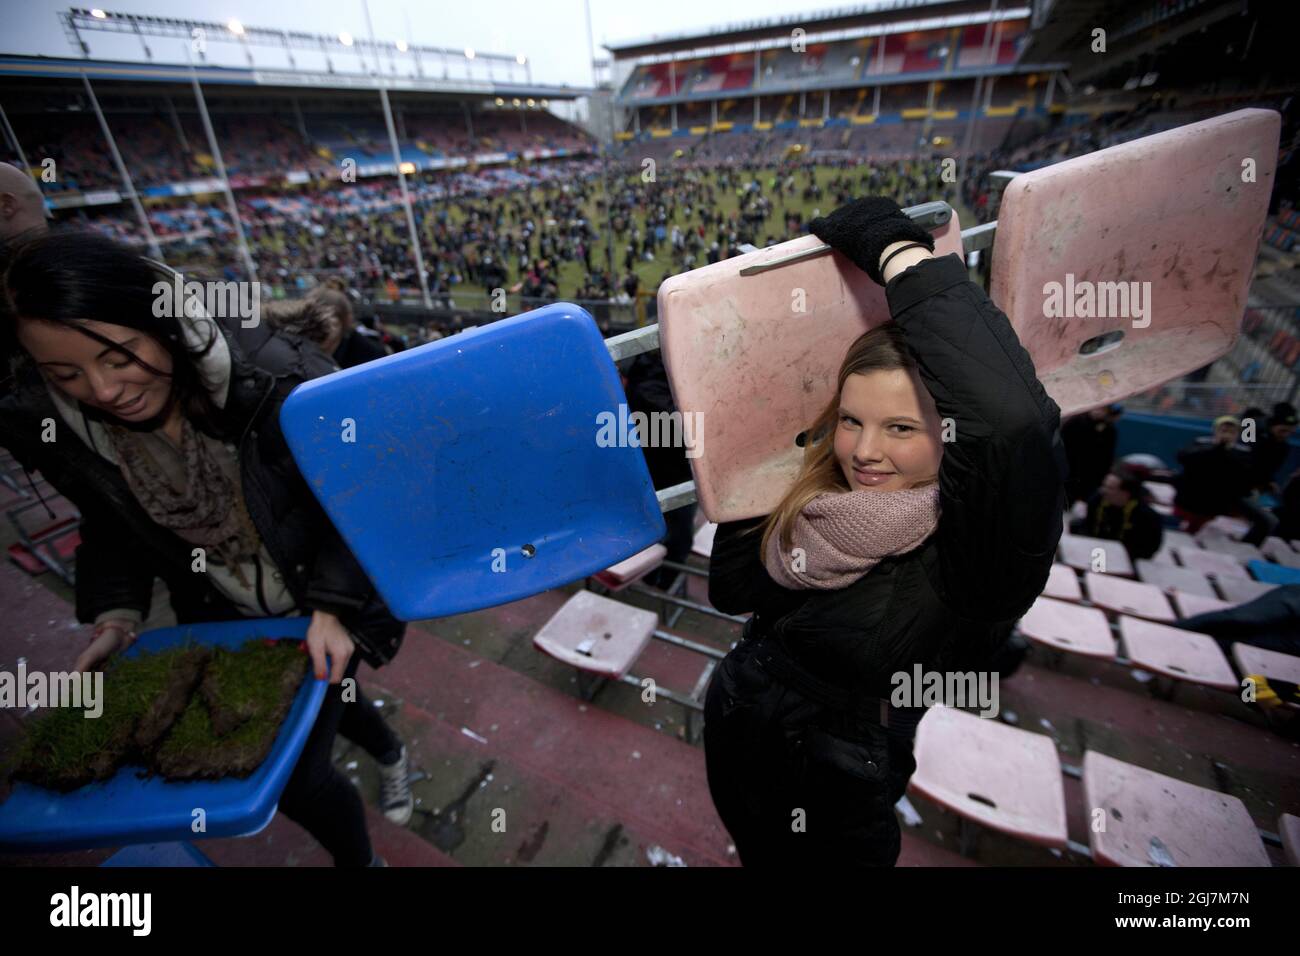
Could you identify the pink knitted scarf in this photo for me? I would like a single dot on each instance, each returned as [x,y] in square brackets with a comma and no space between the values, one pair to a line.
[840,536]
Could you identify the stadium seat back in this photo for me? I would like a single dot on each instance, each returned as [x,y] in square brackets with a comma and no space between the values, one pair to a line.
[740,352]
[481,468]
[1179,213]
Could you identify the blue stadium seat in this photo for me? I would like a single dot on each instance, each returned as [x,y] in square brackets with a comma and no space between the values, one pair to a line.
[477,473]
[159,854]
[1271,573]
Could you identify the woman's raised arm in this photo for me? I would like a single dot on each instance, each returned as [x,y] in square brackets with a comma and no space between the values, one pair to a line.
[1001,481]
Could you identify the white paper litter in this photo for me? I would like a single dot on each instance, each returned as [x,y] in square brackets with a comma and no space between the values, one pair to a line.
[658,856]
[1159,854]
[910,817]
[473,736]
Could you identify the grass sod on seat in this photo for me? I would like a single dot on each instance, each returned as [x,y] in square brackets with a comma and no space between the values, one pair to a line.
[188,713]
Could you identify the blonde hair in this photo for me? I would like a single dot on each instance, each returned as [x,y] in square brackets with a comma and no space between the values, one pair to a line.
[882,348]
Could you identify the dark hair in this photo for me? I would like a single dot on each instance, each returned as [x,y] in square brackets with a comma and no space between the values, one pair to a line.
[336,303]
[1130,482]
[71,277]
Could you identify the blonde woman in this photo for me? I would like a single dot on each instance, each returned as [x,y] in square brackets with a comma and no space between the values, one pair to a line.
[921,526]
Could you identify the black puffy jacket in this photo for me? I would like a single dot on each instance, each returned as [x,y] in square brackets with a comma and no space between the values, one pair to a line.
[951,603]
[123,549]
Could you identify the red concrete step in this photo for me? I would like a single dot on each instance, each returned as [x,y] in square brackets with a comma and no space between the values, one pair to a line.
[494,810]
[651,782]
[284,843]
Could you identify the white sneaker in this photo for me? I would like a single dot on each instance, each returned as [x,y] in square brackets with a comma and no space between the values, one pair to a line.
[395,791]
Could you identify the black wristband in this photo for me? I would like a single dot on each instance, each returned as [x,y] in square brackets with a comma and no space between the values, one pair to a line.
[910,245]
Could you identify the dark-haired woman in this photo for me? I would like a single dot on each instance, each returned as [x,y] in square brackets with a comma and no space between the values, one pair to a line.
[921,526]
[163,427]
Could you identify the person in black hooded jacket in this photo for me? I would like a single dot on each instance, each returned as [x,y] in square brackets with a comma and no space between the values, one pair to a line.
[145,416]
[648,392]
[799,724]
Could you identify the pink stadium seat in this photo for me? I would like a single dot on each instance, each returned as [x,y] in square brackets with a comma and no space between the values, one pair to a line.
[1172,578]
[1149,817]
[703,543]
[1288,827]
[998,776]
[632,569]
[1239,550]
[1278,550]
[728,340]
[1080,551]
[1173,652]
[1161,492]
[597,634]
[1190,605]
[1120,215]
[1163,556]
[1272,664]
[1222,527]
[1063,583]
[1128,597]
[1242,590]
[1068,627]
[1173,539]
[1212,563]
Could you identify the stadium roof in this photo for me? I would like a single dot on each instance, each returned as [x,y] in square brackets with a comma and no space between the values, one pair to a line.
[42,67]
[881,13]
[1064,31]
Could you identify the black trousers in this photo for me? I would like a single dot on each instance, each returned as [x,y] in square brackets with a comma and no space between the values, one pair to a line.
[795,783]
[318,797]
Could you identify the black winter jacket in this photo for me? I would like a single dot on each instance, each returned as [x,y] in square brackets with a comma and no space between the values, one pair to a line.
[1090,452]
[123,549]
[1141,531]
[1214,478]
[951,603]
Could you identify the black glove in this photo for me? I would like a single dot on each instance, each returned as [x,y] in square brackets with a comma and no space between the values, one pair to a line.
[863,228]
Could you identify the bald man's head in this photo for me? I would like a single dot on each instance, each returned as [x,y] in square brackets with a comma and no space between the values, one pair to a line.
[22,207]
